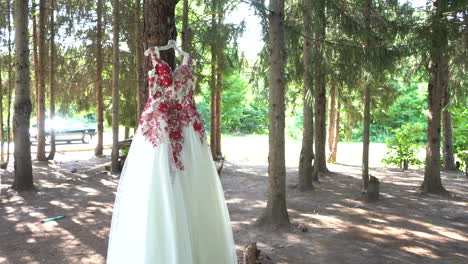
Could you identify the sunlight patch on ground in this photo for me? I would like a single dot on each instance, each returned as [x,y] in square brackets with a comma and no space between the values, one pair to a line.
[420,251]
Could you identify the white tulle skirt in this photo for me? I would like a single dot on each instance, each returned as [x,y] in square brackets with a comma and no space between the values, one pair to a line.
[156,221]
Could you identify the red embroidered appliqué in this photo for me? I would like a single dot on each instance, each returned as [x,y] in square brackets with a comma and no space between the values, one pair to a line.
[170,107]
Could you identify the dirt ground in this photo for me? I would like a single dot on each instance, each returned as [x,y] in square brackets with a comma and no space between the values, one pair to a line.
[403,227]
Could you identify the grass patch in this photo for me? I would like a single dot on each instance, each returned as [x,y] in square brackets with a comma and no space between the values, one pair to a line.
[350,214]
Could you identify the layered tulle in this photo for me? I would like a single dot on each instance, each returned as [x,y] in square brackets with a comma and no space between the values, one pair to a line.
[158,221]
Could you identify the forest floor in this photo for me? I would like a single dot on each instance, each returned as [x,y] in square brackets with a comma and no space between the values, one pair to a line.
[405,226]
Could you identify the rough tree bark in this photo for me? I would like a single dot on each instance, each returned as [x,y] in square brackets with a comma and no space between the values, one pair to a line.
[141,100]
[23,167]
[99,66]
[449,160]
[35,55]
[2,141]
[367,102]
[5,164]
[185,33]
[366,134]
[51,155]
[219,93]
[307,150]
[115,168]
[219,100]
[320,162]
[437,66]
[275,215]
[214,119]
[331,122]
[40,112]
[337,133]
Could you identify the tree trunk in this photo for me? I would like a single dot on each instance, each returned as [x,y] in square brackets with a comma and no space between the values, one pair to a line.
[366,121]
[40,112]
[99,65]
[23,167]
[35,55]
[331,122]
[366,134]
[115,168]
[307,151]
[159,27]
[5,165]
[219,91]
[127,132]
[438,65]
[275,215]
[52,81]
[449,160]
[336,134]
[141,98]
[2,136]
[214,119]
[320,165]
[185,33]
[219,88]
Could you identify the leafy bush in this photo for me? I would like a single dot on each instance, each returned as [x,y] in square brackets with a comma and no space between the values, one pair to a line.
[403,146]
[460,135]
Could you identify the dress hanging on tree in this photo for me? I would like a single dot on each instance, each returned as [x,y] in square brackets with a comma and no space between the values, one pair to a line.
[170,206]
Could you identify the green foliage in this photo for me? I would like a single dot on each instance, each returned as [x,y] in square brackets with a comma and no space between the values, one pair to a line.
[460,135]
[240,112]
[403,147]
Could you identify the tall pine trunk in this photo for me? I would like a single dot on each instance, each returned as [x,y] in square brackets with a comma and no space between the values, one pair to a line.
[40,112]
[366,135]
[115,88]
[159,27]
[23,166]
[367,102]
[320,165]
[35,55]
[141,99]
[275,215]
[307,151]
[331,122]
[219,89]
[214,119]
[185,33]
[438,65]
[8,140]
[219,92]
[449,160]
[334,150]
[2,135]
[99,65]
[52,80]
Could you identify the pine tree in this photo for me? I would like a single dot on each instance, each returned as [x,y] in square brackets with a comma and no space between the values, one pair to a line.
[115,166]
[98,85]
[23,166]
[40,106]
[52,80]
[275,215]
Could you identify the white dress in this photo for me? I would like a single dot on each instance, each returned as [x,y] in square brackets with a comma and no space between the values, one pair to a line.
[170,206]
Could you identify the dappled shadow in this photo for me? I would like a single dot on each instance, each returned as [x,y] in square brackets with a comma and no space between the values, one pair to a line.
[405,226]
[85,200]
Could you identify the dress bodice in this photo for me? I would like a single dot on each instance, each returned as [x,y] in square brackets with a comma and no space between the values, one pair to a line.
[170,106]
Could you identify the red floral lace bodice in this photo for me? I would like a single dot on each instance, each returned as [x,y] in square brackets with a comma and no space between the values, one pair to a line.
[170,106]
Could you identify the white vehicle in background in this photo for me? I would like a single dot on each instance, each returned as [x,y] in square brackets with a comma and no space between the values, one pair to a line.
[65,131]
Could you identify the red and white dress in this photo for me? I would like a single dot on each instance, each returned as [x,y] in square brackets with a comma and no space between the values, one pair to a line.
[170,206]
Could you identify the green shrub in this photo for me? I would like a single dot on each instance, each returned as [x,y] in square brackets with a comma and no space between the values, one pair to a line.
[403,146]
